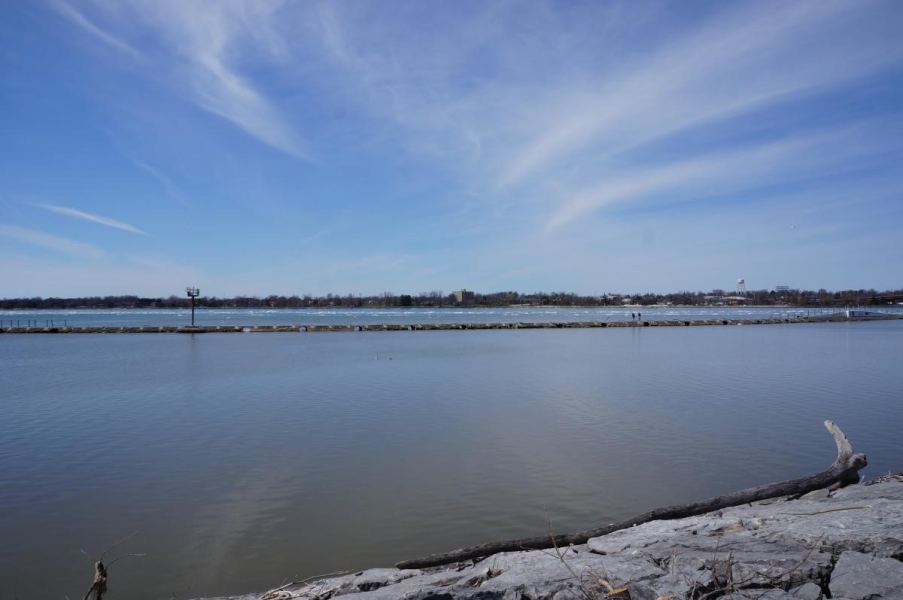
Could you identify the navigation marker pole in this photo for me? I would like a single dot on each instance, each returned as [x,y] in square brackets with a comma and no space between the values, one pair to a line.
[192,293]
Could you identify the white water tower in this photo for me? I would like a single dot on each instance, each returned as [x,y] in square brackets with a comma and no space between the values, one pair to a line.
[741,287]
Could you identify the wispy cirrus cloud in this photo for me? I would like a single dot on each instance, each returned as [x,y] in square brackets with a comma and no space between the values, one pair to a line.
[726,67]
[51,242]
[736,170]
[208,39]
[197,48]
[77,17]
[508,111]
[470,134]
[171,189]
[71,212]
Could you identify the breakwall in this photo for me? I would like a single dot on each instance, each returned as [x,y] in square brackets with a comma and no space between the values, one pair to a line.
[436,326]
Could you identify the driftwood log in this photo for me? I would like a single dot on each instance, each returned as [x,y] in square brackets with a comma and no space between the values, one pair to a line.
[844,470]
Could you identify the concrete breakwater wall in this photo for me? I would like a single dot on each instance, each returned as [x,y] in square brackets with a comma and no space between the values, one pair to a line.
[434,326]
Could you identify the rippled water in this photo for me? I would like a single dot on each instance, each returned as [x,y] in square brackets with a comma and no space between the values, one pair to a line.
[243,460]
[375,316]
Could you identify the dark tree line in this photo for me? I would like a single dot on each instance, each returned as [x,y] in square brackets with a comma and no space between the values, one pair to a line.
[803,298]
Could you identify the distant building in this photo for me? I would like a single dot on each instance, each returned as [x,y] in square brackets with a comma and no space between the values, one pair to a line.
[718,300]
[464,297]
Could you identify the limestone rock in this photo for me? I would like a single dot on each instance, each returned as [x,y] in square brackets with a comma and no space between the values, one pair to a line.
[859,576]
[808,591]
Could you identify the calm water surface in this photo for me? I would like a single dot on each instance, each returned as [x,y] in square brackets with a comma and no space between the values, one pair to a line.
[243,460]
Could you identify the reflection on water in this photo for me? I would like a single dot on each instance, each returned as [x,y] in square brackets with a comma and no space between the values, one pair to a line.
[243,460]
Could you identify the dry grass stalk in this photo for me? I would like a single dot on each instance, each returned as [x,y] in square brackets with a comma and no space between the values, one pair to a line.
[282,593]
[590,591]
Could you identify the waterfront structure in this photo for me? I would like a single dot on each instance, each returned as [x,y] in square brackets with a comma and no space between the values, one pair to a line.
[725,300]
[464,297]
[192,293]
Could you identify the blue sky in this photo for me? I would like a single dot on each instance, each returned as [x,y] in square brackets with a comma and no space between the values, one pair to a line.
[361,147]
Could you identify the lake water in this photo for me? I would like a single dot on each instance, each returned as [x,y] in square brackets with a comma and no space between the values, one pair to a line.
[243,460]
[376,316]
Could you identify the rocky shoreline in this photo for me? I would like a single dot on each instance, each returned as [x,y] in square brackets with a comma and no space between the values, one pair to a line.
[846,544]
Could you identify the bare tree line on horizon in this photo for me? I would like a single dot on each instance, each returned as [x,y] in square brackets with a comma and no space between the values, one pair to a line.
[436,299]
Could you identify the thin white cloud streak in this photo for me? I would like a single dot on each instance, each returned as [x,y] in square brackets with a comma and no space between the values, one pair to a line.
[51,242]
[71,212]
[224,93]
[542,134]
[466,100]
[738,63]
[171,189]
[196,46]
[406,79]
[334,39]
[82,21]
[726,172]
[209,37]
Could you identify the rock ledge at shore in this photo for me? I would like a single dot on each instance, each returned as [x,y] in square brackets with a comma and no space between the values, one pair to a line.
[846,544]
